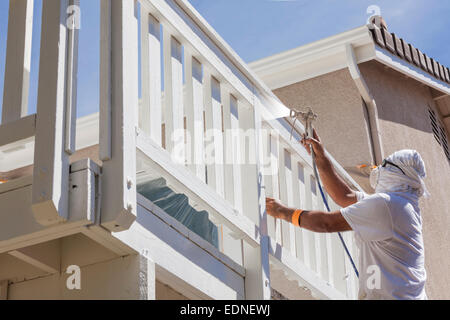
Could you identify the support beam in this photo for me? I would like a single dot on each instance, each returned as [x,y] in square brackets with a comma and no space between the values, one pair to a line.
[51,162]
[119,173]
[18,60]
[45,256]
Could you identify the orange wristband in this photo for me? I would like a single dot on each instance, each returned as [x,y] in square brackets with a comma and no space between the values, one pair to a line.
[296,217]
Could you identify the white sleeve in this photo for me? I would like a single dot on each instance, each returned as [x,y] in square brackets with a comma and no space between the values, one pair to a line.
[370,218]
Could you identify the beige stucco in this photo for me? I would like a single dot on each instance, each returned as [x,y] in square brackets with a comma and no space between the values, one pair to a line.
[342,118]
[404,124]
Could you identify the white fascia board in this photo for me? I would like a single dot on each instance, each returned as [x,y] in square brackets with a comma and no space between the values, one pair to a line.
[328,55]
[410,70]
[314,59]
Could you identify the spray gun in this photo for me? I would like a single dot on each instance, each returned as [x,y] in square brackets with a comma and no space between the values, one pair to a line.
[308,117]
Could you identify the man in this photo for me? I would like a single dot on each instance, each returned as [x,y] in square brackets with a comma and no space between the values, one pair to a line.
[387,224]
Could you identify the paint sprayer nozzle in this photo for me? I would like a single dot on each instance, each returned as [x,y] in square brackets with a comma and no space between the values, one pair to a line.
[307,116]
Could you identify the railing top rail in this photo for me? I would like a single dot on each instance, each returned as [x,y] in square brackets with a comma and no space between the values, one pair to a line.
[222,50]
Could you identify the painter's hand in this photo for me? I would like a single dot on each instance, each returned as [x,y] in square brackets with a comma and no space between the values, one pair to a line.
[315,143]
[275,209]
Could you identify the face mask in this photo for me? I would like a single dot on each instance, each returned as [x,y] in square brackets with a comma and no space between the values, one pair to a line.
[374,176]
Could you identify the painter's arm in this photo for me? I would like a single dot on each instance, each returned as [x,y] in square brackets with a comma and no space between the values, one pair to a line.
[334,185]
[317,221]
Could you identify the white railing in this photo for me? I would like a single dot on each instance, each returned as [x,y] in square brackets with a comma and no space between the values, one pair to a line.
[204,122]
[199,117]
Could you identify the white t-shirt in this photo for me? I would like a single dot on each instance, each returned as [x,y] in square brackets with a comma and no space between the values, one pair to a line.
[388,230]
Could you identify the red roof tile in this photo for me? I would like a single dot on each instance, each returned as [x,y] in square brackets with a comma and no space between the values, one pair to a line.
[378,36]
[429,64]
[389,40]
[398,46]
[447,74]
[415,54]
[441,71]
[407,51]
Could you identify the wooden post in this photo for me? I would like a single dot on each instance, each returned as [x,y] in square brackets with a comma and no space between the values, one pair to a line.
[51,162]
[18,60]
[118,123]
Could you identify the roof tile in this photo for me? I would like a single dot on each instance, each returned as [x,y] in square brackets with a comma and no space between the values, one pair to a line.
[407,51]
[447,74]
[398,46]
[436,68]
[378,36]
[423,61]
[441,71]
[415,55]
[389,40]
[429,64]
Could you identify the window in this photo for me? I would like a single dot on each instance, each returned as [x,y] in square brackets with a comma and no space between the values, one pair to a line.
[439,132]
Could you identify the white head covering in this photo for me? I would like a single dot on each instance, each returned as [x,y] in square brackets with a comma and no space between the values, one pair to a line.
[392,179]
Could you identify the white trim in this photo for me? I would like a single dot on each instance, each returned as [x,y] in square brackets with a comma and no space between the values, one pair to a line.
[314,59]
[329,55]
[410,70]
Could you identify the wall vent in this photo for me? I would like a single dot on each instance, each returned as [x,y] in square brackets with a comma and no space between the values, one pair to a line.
[439,132]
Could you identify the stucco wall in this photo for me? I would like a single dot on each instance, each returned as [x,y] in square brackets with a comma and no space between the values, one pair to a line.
[404,123]
[342,121]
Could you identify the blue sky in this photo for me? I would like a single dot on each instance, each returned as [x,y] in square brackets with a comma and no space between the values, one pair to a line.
[256,29]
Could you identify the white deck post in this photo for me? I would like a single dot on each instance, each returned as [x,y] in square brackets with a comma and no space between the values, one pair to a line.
[51,162]
[18,60]
[256,260]
[118,125]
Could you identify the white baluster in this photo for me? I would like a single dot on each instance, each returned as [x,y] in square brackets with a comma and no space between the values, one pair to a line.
[173,97]
[309,237]
[232,148]
[297,203]
[214,135]
[194,114]
[150,117]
